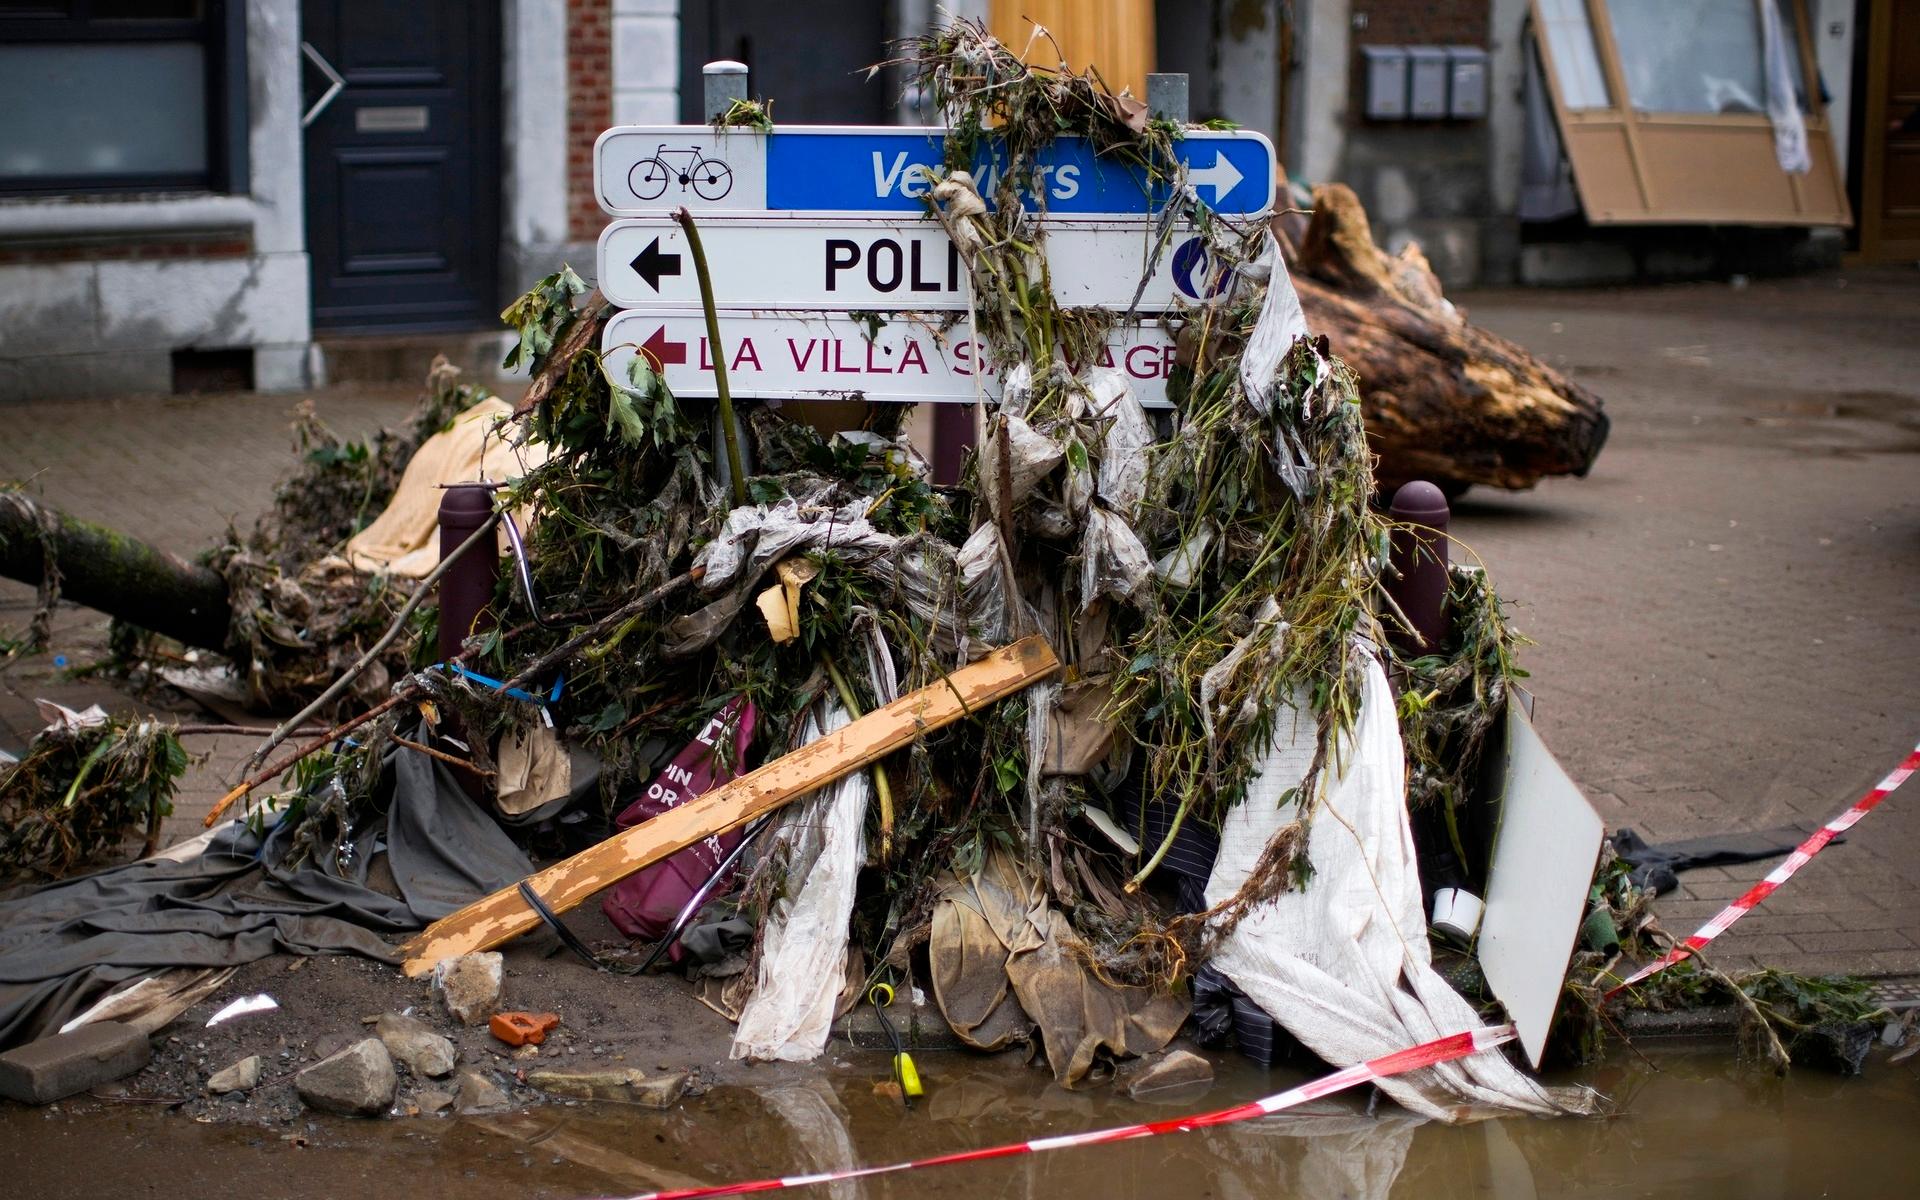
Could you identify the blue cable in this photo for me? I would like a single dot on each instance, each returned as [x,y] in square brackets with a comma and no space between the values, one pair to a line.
[500,685]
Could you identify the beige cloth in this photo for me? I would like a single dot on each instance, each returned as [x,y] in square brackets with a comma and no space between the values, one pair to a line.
[534,768]
[404,539]
[1005,962]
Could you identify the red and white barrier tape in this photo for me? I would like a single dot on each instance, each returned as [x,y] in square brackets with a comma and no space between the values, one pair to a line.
[1779,875]
[1426,1054]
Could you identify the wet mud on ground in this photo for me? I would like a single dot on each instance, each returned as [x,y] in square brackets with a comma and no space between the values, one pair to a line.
[649,1023]
[1691,1125]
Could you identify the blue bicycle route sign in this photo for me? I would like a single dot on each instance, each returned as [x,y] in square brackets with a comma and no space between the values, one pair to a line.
[869,170]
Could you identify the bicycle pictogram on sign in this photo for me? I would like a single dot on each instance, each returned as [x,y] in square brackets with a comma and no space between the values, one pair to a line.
[709,178]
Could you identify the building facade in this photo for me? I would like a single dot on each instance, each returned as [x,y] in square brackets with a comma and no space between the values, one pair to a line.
[205,193]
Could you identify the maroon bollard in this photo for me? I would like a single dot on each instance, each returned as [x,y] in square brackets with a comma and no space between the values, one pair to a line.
[467,588]
[1419,579]
[952,438]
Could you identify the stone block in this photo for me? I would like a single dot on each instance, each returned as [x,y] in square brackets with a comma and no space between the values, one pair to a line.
[470,986]
[1568,264]
[50,308]
[478,1094]
[242,1076]
[1176,1070]
[357,1082]
[646,52]
[425,1052]
[68,1063]
[204,303]
[646,106]
[624,1087]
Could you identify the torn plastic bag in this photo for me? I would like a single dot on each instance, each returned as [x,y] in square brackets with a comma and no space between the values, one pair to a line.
[898,451]
[1263,638]
[803,949]
[1344,965]
[533,769]
[1121,480]
[751,540]
[1079,733]
[1113,563]
[1280,323]
[984,594]
[1180,566]
[1030,456]
[645,904]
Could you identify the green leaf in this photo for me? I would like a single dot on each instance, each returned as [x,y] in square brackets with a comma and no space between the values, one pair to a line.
[606,719]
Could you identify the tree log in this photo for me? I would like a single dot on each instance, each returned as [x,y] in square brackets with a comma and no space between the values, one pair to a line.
[1444,400]
[119,575]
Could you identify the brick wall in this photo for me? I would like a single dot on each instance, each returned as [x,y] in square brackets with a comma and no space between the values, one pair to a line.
[1422,22]
[589,108]
[127,251]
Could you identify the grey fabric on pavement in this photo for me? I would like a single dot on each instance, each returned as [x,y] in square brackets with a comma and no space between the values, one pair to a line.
[1654,866]
[64,945]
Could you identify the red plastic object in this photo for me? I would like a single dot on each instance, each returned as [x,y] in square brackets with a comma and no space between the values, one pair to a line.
[523,1028]
[644,905]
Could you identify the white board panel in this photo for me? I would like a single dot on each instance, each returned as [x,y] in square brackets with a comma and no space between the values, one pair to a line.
[862,170]
[764,261]
[830,356]
[1543,860]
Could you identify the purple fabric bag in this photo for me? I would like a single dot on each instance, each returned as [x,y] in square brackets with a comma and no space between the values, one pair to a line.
[644,904]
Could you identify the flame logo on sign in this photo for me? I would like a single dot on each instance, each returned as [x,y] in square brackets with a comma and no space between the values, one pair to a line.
[1197,273]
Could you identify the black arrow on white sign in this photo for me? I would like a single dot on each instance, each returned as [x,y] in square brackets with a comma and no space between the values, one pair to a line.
[651,265]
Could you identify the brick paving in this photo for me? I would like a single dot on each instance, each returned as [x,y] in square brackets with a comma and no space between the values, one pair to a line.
[1727,612]
[174,470]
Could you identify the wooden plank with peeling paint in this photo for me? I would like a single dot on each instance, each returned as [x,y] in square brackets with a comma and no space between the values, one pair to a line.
[504,915]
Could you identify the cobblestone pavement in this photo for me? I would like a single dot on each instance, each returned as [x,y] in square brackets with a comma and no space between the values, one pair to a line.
[1727,612]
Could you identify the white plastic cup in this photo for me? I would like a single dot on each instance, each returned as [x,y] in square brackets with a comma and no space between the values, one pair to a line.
[1457,912]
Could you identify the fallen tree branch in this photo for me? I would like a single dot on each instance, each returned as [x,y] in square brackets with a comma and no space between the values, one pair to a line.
[409,690]
[339,686]
[121,576]
[580,334]
[442,755]
[631,608]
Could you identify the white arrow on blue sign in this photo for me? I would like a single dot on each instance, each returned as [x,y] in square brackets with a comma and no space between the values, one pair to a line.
[832,356]
[763,261]
[871,170]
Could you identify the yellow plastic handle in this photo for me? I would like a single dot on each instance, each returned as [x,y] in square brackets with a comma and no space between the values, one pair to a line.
[909,1076]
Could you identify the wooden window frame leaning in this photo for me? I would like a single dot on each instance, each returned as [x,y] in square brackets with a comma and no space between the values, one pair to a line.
[1690,168]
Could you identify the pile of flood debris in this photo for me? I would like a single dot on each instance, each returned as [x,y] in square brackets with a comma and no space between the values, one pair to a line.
[1145,724]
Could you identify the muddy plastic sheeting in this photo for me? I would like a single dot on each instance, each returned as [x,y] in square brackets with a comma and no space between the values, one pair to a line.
[65,945]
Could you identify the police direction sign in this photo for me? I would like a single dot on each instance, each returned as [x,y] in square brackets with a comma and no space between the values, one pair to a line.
[761,261]
[812,223]
[872,170]
[831,356]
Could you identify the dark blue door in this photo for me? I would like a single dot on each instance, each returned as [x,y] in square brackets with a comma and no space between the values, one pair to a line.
[402,179]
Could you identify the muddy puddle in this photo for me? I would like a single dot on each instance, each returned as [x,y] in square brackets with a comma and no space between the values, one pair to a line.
[1691,1125]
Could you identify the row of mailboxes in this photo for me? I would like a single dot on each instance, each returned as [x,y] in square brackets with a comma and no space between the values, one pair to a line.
[1425,83]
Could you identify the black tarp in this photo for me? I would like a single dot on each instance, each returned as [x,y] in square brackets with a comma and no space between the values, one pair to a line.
[64,945]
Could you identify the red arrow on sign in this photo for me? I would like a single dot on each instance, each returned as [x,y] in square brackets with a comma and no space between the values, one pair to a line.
[661,351]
